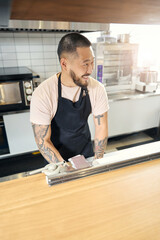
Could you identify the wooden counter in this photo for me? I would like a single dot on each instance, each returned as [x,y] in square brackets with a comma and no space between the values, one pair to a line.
[120,205]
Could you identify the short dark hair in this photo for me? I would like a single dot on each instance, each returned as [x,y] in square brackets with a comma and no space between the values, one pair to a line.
[70,42]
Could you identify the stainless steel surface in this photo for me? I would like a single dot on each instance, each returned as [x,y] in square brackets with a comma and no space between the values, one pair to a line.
[129,94]
[123,38]
[55,25]
[25,88]
[149,77]
[14,176]
[117,59]
[13,112]
[10,93]
[55,177]
[4,147]
[65,177]
[5,10]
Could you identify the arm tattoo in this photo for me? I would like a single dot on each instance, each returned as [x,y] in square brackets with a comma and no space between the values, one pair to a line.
[98,118]
[100,146]
[40,132]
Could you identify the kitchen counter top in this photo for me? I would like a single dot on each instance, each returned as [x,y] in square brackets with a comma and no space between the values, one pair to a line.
[13,112]
[118,205]
[35,161]
[130,94]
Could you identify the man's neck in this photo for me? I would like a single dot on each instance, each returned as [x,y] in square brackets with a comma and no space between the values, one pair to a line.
[67,80]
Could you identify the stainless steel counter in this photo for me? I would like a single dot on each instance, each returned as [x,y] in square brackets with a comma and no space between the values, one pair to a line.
[110,161]
[14,112]
[130,94]
[14,176]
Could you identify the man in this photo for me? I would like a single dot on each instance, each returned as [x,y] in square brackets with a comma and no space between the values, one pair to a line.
[61,105]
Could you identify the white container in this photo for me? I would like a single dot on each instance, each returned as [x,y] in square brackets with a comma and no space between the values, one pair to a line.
[149,77]
[123,38]
[143,87]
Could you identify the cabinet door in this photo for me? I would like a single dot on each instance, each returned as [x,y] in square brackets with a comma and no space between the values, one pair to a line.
[19,133]
[129,116]
[91,126]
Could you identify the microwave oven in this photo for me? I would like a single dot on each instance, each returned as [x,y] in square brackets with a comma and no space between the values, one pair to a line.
[16,88]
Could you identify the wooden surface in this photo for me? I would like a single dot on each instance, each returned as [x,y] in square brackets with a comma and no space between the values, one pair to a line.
[101,11]
[120,205]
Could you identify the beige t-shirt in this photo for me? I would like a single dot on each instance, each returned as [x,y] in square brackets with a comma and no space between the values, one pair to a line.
[45,99]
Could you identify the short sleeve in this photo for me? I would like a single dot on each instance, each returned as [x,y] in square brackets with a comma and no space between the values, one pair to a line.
[101,101]
[40,112]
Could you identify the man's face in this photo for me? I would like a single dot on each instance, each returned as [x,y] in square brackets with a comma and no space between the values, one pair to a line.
[81,66]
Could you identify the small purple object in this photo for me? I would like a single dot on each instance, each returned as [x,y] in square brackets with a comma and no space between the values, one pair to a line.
[79,162]
[99,72]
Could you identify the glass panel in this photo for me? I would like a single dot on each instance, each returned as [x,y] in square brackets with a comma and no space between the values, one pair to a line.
[10,93]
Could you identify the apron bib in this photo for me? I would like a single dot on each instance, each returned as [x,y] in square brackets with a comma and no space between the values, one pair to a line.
[69,128]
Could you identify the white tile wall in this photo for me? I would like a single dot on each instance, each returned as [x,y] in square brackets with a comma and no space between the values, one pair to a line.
[38,51]
[1,64]
[10,63]
[50,68]
[24,62]
[38,69]
[49,55]
[36,55]
[21,41]
[8,56]
[8,49]
[23,55]
[7,41]
[35,34]
[49,48]
[22,48]
[20,34]
[49,41]
[35,41]
[35,48]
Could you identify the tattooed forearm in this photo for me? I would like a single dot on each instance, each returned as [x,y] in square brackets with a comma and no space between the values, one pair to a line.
[40,132]
[99,118]
[100,146]
[49,154]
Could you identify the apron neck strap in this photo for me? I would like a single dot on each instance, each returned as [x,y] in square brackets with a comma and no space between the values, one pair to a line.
[59,85]
[59,88]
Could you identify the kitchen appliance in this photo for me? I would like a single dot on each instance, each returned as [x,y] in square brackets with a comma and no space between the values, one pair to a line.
[16,88]
[143,87]
[147,81]
[5,9]
[149,77]
[115,63]
[123,38]
[4,148]
[50,26]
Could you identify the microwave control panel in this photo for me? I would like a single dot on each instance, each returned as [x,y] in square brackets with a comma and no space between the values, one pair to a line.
[28,90]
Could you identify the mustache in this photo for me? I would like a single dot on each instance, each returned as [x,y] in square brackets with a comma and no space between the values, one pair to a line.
[85,75]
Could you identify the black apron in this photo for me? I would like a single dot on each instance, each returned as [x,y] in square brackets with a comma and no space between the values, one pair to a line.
[69,128]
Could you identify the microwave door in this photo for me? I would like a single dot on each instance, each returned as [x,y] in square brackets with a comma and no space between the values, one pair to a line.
[10,93]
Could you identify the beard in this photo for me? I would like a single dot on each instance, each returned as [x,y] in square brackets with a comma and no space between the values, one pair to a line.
[79,81]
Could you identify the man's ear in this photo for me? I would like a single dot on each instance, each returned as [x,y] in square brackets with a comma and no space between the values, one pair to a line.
[63,62]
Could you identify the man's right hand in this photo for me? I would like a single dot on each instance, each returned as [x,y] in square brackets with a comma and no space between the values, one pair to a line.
[42,135]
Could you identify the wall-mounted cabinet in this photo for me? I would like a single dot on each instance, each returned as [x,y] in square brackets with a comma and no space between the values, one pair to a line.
[102,11]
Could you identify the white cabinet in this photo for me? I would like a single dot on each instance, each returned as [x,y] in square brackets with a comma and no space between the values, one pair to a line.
[131,115]
[19,133]
[91,126]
